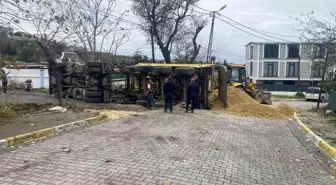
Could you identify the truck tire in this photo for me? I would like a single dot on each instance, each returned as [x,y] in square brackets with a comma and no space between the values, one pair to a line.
[144,69]
[66,80]
[184,71]
[163,70]
[70,93]
[94,94]
[93,70]
[93,64]
[93,100]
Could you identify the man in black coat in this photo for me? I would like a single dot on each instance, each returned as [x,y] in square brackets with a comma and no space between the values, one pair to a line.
[193,92]
[168,91]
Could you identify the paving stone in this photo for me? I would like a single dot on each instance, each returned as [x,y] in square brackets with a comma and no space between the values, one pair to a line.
[157,148]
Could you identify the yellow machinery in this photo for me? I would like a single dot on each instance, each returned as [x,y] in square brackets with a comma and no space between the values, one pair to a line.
[237,78]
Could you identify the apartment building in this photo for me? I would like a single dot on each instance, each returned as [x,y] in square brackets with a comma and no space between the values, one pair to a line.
[275,66]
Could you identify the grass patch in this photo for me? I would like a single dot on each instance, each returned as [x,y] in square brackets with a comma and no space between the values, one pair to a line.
[288,97]
[10,109]
[44,90]
[331,118]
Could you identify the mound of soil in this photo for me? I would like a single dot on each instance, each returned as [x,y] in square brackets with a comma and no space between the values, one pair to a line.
[241,104]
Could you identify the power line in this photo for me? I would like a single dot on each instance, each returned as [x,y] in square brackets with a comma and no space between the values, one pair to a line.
[253,29]
[244,30]
[202,8]
[227,53]
[257,30]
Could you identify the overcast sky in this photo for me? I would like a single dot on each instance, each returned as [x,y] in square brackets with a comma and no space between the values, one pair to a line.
[268,15]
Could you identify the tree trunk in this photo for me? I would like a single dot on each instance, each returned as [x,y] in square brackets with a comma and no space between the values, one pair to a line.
[58,76]
[166,54]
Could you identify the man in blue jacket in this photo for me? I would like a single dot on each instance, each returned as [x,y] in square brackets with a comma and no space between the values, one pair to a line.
[168,91]
[193,92]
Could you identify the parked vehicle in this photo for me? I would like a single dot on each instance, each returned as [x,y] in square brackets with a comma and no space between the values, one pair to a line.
[313,94]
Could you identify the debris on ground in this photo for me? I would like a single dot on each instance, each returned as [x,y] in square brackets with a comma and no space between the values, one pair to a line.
[114,114]
[108,160]
[58,109]
[241,104]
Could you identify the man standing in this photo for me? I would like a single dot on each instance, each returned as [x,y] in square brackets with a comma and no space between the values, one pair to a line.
[4,80]
[149,93]
[192,95]
[168,91]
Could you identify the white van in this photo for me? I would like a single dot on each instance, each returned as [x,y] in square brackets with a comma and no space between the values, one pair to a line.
[313,94]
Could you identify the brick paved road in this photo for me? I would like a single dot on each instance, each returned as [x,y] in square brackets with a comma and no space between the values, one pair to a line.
[181,148]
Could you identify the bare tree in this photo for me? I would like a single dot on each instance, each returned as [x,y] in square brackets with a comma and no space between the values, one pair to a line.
[186,47]
[47,22]
[321,35]
[165,18]
[117,39]
[94,23]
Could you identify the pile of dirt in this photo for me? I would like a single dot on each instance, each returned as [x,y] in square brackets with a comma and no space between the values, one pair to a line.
[286,109]
[241,104]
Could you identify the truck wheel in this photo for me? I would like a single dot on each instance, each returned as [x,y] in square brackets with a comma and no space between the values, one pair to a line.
[184,71]
[258,97]
[70,93]
[93,64]
[66,80]
[163,70]
[144,69]
[94,94]
[93,70]
[93,100]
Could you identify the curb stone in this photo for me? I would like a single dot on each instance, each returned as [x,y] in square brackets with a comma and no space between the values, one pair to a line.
[318,141]
[12,141]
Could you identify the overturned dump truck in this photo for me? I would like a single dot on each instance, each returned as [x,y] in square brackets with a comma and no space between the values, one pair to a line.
[89,81]
[95,82]
[209,77]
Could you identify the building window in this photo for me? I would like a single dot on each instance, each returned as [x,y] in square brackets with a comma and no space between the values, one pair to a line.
[316,71]
[271,51]
[292,69]
[251,52]
[319,51]
[270,69]
[251,68]
[293,50]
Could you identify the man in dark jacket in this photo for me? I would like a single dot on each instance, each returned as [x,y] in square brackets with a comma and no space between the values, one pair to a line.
[192,95]
[168,91]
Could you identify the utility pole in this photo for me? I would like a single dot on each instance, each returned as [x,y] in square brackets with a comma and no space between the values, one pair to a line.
[299,71]
[211,37]
[211,34]
[152,41]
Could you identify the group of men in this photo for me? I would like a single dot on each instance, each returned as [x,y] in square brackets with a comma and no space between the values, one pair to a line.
[169,87]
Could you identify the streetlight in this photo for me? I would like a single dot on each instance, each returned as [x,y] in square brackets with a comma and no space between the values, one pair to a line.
[211,32]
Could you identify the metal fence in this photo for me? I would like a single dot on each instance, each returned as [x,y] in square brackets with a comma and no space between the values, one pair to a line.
[280,87]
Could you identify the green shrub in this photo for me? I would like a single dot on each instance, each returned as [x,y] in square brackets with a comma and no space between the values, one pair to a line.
[43,90]
[300,95]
